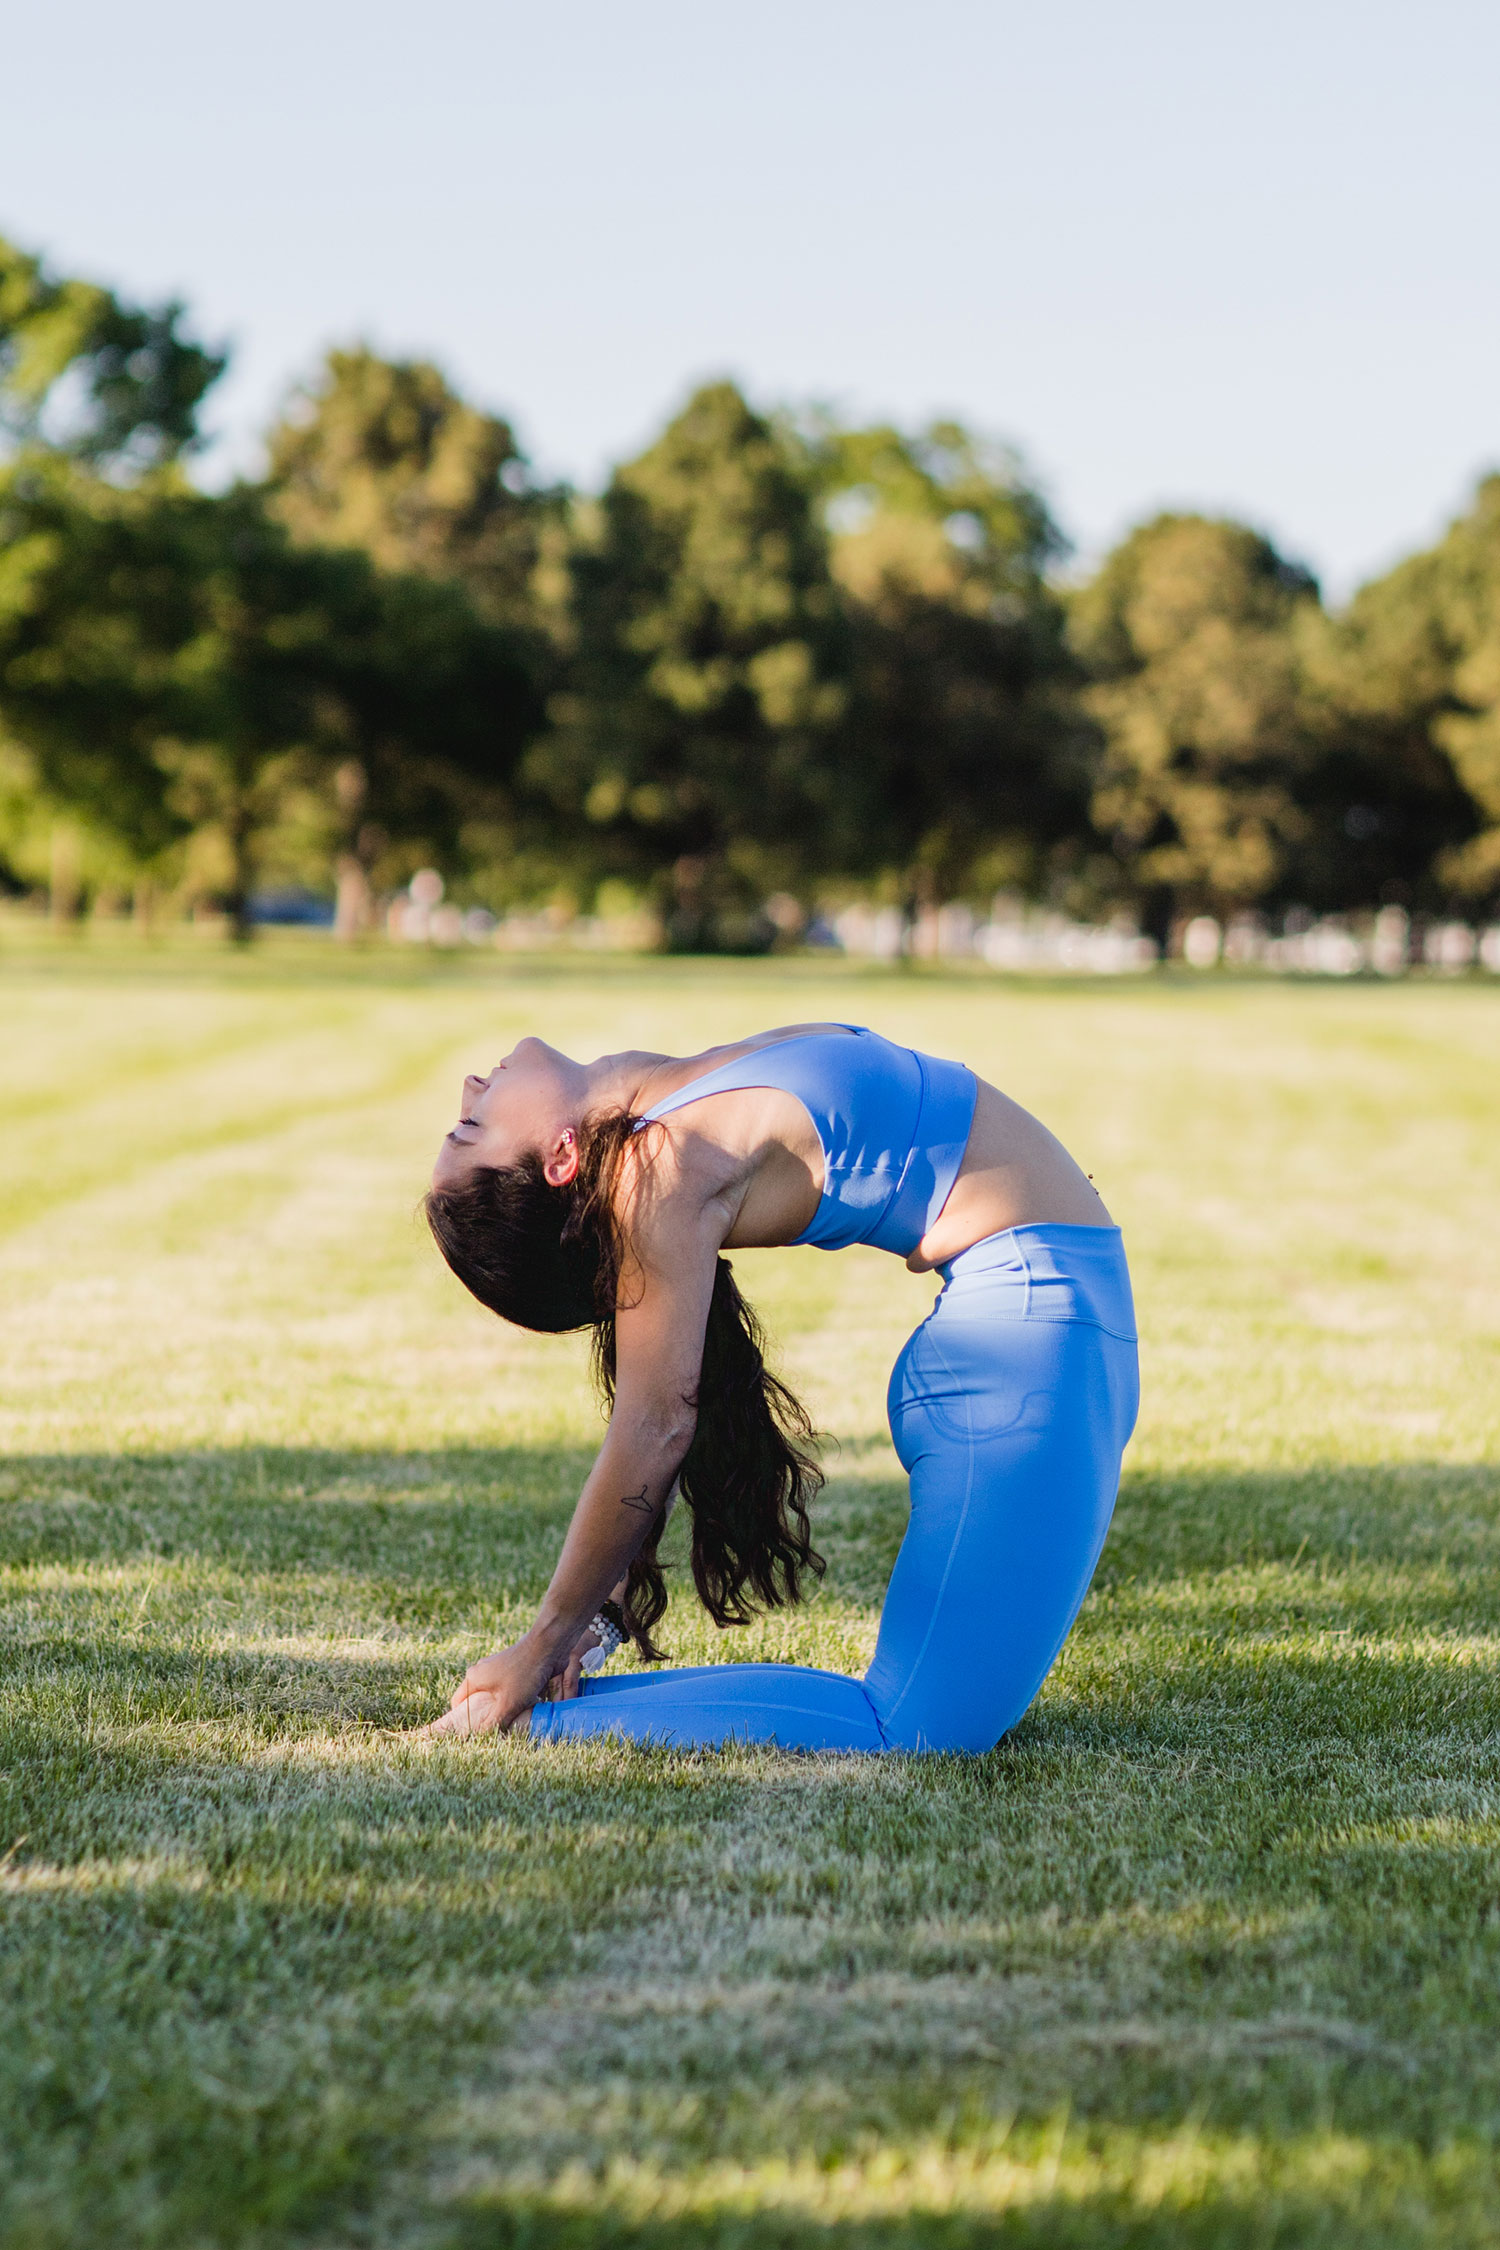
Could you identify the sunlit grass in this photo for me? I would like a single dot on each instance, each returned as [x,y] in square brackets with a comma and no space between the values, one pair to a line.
[1206,1953]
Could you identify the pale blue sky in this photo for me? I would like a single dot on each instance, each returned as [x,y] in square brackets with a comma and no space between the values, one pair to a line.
[1183,254]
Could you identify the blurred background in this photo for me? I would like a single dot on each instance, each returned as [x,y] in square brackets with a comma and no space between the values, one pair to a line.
[976,482]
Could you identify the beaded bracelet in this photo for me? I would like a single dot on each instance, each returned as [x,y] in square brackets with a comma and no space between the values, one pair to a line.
[609,1625]
[611,1630]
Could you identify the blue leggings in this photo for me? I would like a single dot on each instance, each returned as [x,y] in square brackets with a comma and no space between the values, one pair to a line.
[1010,1408]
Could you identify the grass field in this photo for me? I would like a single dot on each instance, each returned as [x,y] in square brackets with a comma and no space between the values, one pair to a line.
[1207,1953]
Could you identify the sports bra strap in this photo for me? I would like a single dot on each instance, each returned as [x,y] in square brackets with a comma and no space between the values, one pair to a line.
[739,1075]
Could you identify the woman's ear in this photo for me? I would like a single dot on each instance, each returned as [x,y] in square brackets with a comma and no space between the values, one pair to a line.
[561,1166]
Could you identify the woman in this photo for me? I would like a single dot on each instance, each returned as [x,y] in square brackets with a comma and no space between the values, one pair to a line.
[601,1194]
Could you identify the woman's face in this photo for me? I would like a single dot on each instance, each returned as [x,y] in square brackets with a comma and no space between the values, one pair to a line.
[531,1101]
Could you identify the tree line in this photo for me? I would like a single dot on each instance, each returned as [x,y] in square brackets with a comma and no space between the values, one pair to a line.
[774,656]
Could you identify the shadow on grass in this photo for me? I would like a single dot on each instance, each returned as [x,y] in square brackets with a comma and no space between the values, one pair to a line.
[445,1516]
[1387,2215]
[1227,1579]
[250,1972]
[257,2037]
[458,1515]
[249,1950]
[1327,1513]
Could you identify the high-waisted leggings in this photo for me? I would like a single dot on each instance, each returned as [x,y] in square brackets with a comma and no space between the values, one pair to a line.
[1010,1408]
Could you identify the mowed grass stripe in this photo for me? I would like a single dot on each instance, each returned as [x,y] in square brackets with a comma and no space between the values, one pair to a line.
[119,1125]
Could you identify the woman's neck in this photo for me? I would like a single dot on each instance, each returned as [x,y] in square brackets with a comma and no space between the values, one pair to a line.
[617,1082]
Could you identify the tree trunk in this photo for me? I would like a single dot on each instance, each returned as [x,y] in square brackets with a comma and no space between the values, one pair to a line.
[64,882]
[238,830]
[354,913]
[916,902]
[354,909]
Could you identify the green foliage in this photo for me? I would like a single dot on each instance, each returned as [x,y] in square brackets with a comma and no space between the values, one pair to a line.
[385,456]
[775,654]
[179,669]
[428,711]
[964,757]
[1416,666]
[806,651]
[87,375]
[1189,633]
[706,682]
[879,484]
[94,605]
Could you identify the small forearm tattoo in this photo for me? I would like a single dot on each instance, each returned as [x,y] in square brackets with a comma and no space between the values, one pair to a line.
[638,1502]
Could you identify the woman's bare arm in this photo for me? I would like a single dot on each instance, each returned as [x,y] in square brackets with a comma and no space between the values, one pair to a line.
[659,1329]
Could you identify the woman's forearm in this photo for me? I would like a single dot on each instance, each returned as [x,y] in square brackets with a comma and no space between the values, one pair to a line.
[626,1490]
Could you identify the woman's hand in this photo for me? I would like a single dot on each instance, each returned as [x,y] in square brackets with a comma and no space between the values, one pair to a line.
[498,1692]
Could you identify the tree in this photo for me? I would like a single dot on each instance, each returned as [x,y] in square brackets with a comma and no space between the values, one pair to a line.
[176,666]
[965,759]
[429,711]
[187,687]
[88,376]
[91,608]
[692,743]
[1412,672]
[384,456]
[1191,636]
[91,388]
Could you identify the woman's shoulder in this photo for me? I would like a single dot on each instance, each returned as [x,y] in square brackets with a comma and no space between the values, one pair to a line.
[671,1074]
[776,1036]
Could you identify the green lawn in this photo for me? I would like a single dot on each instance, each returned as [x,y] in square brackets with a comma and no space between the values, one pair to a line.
[1207,1953]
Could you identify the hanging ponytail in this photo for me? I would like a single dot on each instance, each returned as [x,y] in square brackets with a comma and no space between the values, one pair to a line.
[551,1258]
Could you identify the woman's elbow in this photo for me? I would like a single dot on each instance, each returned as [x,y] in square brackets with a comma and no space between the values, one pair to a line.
[674,1437]
[662,1435]
[678,1437]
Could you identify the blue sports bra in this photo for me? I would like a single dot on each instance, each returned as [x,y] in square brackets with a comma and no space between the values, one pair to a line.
[894,1126]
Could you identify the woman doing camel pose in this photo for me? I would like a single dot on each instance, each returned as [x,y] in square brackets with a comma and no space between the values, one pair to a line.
[602,1195]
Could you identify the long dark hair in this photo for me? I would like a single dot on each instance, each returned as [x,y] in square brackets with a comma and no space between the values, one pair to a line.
[552,1258]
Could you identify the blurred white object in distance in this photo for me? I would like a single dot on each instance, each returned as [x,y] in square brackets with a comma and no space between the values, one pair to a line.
[1202,942]
[1324,948]
[873,930]
[1390,942]
[1244,941]
[955,931]
[408,918]
[1449,946]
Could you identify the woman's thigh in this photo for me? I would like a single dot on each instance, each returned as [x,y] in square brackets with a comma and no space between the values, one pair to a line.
[1011,1431]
